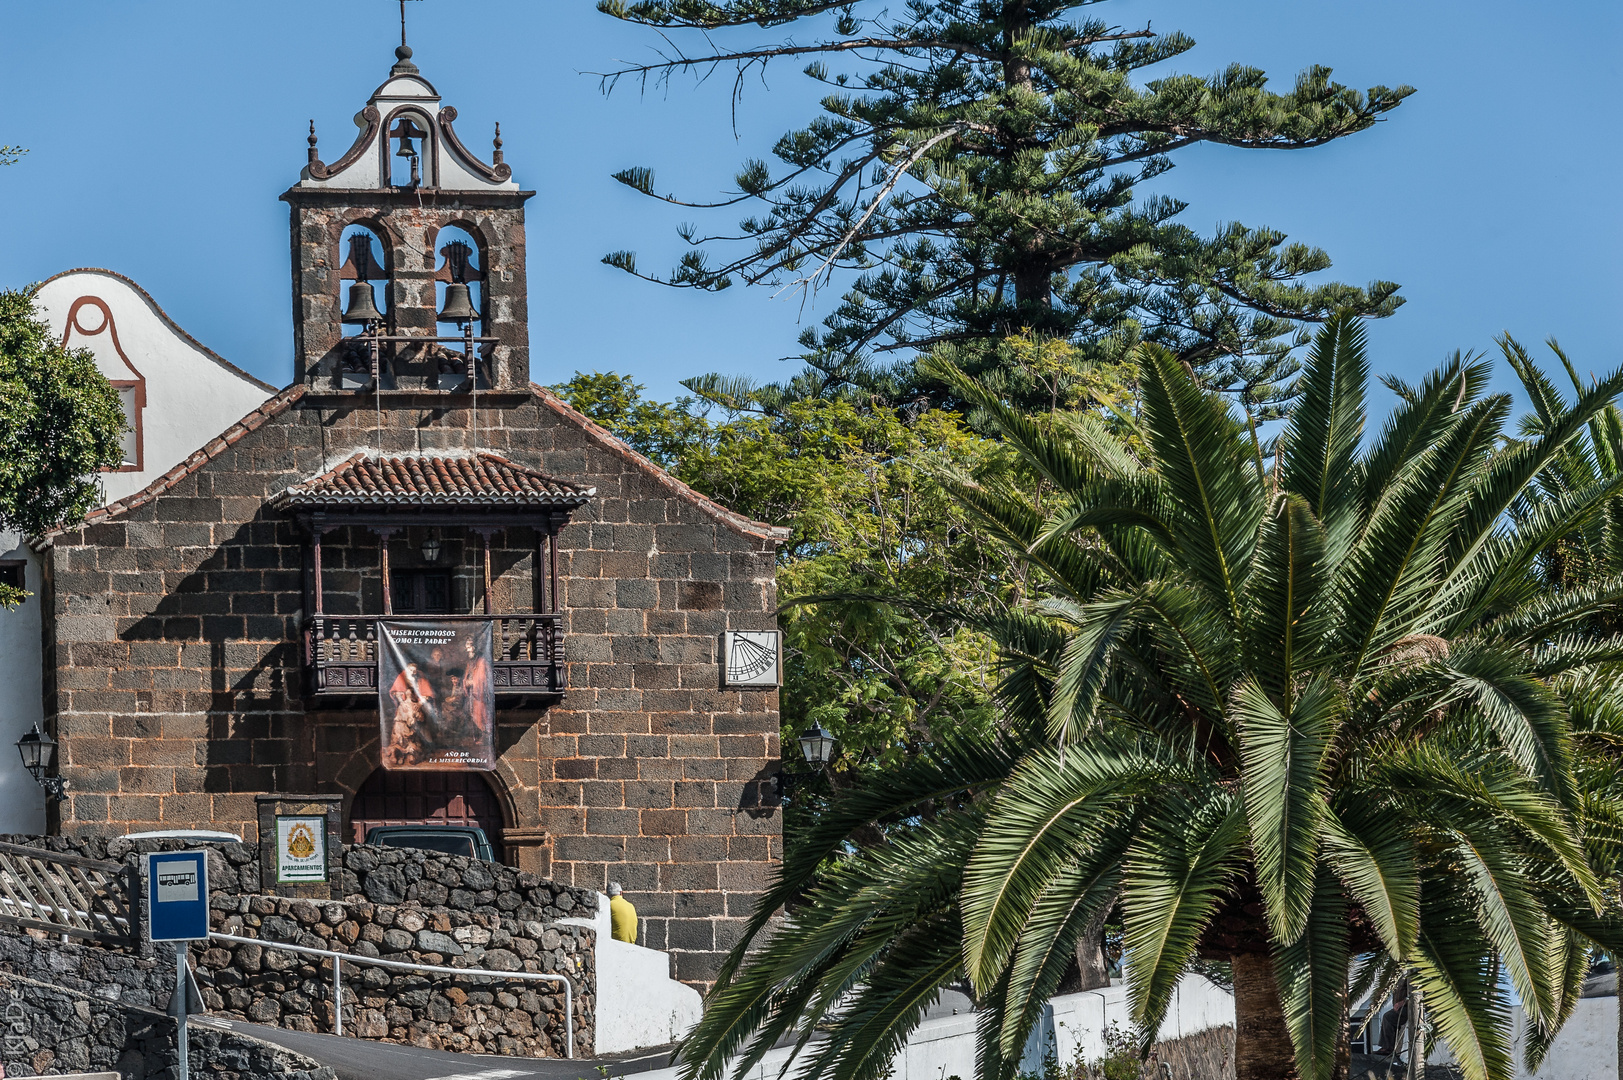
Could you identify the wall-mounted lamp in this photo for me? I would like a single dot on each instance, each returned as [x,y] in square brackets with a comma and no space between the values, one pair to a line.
[817,747]
[38,750]
[431,548]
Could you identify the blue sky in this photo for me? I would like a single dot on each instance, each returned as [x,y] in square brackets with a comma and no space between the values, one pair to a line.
[161,133]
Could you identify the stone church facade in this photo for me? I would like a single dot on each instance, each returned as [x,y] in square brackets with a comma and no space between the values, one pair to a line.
[213,637]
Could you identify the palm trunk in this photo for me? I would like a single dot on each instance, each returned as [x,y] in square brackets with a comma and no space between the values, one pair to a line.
[1093,969]
[1262,1046]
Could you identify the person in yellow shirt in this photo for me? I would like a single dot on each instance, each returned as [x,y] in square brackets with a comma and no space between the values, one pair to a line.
[622,916]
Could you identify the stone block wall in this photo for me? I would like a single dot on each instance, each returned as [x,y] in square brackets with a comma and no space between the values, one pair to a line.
[175,675]
[71,1007]
[400,904]
[472,1014]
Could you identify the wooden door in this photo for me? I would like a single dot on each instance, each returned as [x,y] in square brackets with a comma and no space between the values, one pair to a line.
[413,797]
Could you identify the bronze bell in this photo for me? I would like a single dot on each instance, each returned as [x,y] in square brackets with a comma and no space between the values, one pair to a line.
[363,306]
[458,304]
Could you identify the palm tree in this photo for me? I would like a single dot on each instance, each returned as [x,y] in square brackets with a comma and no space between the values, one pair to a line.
[1589,556]
[1279,713]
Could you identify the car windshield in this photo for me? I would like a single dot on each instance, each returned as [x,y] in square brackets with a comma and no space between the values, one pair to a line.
[451,843]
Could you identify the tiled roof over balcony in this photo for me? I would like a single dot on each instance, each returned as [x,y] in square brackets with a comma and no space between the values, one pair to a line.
[482,480]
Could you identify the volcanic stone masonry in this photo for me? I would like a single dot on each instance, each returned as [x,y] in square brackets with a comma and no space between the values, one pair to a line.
[398,904]
[175,659]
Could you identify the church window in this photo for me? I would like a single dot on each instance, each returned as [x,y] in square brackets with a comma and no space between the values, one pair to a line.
[130,442]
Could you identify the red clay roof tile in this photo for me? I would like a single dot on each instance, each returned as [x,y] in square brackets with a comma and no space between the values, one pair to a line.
[483,479]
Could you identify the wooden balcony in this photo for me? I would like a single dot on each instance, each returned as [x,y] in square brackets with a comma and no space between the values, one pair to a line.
[341,657]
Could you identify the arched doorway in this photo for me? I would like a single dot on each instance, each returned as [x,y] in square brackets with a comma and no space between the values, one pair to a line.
[418,797]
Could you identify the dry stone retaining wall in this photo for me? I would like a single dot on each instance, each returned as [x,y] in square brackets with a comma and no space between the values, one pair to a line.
[400,904]
[470,1014]
[79,1008]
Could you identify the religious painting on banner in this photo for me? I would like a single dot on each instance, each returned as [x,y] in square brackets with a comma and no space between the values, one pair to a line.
[436,698]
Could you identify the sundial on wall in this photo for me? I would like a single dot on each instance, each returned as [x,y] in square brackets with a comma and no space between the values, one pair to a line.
[750,657]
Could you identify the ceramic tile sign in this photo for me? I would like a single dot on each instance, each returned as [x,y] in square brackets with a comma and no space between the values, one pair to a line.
[301,850]
[436,697]
[752,658]
[178,895]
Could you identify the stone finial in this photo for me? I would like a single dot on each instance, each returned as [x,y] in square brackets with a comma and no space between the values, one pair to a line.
[403,64]
[496,155]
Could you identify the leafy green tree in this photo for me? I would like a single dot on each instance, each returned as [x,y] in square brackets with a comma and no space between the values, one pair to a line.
[859,490]
[974,172]
[662,433]
[1279,714]
[10,154]
[60,422]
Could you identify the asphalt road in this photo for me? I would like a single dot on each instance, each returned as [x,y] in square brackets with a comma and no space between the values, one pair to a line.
[363,1059]
[359,1059]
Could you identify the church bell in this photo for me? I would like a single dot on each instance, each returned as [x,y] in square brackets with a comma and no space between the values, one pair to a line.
[362,306]
[458,304]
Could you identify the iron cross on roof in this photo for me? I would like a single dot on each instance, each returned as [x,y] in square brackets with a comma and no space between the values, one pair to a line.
[402,22]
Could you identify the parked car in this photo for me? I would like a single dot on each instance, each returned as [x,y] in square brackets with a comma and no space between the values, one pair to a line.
[469,840]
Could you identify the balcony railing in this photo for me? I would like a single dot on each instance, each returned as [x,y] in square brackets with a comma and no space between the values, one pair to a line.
[341,652]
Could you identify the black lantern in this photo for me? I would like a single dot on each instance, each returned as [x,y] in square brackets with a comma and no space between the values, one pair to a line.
[38,750]
[431,548]
[816,745]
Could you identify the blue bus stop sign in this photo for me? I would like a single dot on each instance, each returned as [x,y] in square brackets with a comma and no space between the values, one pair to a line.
[178,895]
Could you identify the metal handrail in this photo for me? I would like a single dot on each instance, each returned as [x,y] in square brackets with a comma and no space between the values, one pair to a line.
[375,961]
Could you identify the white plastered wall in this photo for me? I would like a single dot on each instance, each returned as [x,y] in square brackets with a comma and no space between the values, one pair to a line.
[442,167]
[191,396]
[638,1003]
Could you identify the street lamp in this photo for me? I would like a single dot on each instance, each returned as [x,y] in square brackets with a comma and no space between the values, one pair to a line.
[817,747]
[37,750]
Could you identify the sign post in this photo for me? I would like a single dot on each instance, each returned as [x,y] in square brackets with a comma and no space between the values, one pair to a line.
[178,911]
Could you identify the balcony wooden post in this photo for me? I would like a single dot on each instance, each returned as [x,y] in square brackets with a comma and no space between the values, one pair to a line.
[384,533]
[554,523]
[485,535]
[317,528]
[538,578]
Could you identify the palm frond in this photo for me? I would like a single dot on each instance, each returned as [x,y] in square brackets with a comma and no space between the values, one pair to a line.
[1048,815]
[1320,447]
[1312,975]
[1283,781]
[1178,869]
[1200,452]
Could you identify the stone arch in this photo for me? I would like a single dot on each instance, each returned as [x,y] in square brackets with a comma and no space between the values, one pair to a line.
[428,153]
[338,255]
[428,797]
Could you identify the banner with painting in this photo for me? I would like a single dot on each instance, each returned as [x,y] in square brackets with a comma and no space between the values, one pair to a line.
[436,698]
